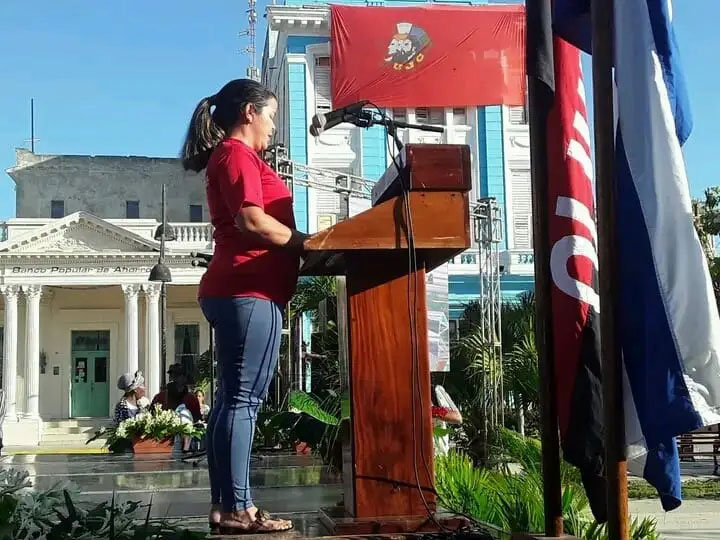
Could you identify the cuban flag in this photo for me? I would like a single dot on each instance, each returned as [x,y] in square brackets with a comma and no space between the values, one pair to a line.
[668,319]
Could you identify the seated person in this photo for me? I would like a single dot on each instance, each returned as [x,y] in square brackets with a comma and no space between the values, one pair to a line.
[444,411]
[204,407]
[129,406]
[177,392]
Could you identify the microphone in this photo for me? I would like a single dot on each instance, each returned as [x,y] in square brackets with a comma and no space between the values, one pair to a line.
[323,122]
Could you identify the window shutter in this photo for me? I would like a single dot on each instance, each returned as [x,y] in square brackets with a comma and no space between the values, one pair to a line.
[437,116]
[460,116]
[427,115]
[400,114]
[522,208]
[328,202]
[518,116]
[323,96]
[422,115]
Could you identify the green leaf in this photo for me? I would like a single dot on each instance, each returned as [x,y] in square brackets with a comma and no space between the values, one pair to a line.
[301,402]
[72,513]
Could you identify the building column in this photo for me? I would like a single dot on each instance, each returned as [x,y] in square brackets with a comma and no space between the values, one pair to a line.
[32,350]
[152,338]
[10,329]
[131,327]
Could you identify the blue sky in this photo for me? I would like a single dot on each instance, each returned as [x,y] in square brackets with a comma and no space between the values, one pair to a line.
[122,78]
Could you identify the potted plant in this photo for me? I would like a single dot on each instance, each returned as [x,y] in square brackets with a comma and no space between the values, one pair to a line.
[150,432]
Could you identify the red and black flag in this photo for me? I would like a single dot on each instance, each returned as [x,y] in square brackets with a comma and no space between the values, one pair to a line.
[555,66]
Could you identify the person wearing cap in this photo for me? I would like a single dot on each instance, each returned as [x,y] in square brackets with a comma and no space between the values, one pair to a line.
[133,388]
[176,393]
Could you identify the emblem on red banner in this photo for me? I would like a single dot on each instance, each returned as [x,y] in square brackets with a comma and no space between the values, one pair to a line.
[405,50]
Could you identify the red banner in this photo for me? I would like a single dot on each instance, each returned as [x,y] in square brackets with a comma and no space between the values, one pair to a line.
[434,56]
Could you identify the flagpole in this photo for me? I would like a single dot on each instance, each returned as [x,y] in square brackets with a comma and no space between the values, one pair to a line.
[549,436]
[539,103]
[616,461]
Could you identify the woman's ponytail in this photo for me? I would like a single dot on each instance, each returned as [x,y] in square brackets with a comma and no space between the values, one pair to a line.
[207,129]
[203,136]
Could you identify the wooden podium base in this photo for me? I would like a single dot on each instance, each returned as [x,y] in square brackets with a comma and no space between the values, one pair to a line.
[337,523]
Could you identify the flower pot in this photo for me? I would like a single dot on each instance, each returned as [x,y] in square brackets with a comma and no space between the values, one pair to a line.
[151,446]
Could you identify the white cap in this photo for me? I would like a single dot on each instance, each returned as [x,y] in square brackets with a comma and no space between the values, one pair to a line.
[404,28]
[128,381]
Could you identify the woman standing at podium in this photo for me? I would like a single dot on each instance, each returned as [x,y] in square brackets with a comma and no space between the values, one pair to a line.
[252,275]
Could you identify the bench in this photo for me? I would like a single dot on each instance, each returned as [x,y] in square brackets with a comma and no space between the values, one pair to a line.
[688,442]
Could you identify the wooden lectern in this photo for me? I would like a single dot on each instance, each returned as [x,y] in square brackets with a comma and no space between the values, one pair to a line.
[389,373]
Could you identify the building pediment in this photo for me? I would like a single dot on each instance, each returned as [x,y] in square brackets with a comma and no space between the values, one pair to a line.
[79,233]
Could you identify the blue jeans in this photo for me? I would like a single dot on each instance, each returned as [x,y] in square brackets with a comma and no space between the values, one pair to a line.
[247,342]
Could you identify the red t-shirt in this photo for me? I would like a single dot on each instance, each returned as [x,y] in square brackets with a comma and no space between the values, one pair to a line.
[241,264]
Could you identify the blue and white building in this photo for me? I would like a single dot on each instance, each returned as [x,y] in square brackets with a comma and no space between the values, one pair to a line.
[296,66]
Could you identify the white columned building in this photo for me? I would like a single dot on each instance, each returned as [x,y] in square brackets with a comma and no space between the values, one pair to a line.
[72,320]
[74,265]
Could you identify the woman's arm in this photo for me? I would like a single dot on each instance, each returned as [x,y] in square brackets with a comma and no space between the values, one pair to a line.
[238,179]
[253,220]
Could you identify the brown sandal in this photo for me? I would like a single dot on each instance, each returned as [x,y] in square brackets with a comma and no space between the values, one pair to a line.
[266,524]
[263,524]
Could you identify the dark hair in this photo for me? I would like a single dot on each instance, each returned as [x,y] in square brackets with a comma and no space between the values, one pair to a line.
[207,129]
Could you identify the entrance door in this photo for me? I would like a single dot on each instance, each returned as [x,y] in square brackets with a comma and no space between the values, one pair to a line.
[89,372]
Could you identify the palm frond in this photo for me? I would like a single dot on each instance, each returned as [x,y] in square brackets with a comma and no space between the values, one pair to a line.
[310,292]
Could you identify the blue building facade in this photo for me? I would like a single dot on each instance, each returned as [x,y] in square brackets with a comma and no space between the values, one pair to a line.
[296,68]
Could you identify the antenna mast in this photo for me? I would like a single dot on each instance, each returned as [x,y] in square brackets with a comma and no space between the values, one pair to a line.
[32,140]
[252,71]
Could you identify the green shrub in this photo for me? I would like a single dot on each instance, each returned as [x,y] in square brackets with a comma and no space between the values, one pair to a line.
[52,514]
[511,496]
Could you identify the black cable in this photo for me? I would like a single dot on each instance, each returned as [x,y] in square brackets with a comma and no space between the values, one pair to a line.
[413,268]
[412,315]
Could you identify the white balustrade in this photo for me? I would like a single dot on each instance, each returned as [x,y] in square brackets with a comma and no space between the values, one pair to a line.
[193,233]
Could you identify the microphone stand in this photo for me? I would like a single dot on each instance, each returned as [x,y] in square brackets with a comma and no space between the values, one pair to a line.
[366,119]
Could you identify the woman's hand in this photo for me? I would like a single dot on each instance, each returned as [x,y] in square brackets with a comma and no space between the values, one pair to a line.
[298,240]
